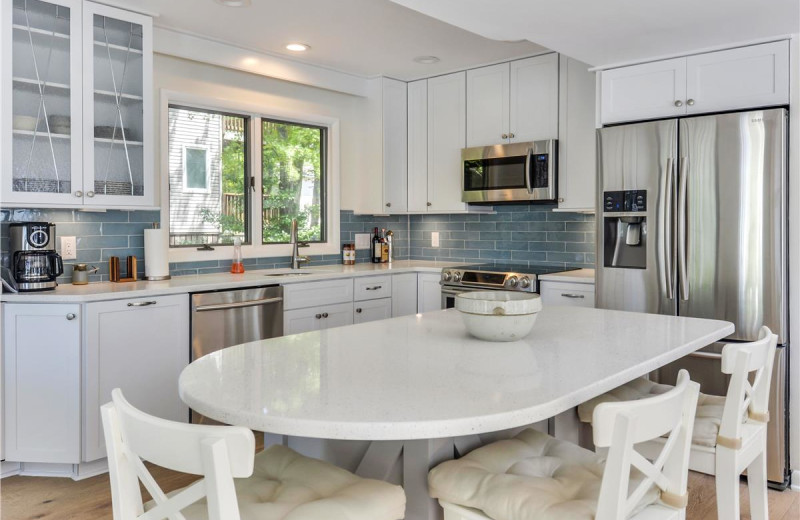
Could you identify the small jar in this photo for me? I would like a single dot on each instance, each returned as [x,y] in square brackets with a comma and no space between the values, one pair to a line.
[349,254]
[80,274]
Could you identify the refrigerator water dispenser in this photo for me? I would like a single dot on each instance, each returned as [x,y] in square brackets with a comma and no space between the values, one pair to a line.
[625,228]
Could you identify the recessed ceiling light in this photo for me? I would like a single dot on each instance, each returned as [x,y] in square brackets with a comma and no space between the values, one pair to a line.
[427,60]
[298,47]
[234,3]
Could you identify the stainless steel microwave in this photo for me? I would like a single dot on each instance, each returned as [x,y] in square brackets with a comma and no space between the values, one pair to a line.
[519,172]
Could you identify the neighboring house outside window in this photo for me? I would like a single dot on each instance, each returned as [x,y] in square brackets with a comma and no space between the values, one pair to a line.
[195,169]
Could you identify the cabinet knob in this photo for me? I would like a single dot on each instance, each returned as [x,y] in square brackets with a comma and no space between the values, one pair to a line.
[561,199]
[388,204]
[324,314]
[90,194]
[318,316]
[79,193]
[690,102]
[511,135]
[678,103]
[71,316]
[358,311]
[504,136]
[429,204]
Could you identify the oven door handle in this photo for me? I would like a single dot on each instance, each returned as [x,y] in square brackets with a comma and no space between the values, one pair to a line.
[528,159]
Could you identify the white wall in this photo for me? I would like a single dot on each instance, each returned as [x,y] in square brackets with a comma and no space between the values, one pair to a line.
[359,122]
[794,269]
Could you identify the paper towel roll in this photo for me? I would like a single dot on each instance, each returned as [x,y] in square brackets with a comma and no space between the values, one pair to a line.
[156,254]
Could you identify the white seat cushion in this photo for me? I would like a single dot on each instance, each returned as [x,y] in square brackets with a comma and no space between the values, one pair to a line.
[288,486]
[707,420]
[530,477]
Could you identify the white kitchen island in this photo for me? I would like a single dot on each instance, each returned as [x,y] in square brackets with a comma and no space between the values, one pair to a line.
[421,383]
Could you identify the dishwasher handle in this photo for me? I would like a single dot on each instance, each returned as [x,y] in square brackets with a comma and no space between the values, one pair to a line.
[237,305]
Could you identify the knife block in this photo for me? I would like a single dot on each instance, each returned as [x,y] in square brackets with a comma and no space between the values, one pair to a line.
[114,274]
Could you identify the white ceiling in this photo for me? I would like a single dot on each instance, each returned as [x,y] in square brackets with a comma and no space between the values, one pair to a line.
[605,32]
[362,37]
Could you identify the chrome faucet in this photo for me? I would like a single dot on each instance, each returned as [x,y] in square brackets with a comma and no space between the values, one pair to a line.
[297,259]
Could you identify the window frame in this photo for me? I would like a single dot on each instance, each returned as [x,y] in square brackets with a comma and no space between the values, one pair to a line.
[186,188]
[255,113]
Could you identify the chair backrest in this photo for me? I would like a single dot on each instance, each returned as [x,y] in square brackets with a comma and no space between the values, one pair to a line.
[219,453]
[620,426]
[745,400]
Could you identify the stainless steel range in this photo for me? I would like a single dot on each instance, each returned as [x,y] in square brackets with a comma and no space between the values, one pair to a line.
[520,278]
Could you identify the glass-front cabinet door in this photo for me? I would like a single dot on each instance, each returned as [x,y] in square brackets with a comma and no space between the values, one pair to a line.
[41,124]
[117,107]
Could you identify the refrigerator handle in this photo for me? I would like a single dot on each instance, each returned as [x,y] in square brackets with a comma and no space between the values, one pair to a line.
[665,230]
[683,280]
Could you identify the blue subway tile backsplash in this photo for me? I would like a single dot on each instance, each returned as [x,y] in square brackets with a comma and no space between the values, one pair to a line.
[518,233]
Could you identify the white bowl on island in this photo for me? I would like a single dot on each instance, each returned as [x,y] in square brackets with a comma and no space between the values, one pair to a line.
[498,315]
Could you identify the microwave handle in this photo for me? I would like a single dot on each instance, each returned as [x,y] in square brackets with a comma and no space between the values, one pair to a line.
[528,158]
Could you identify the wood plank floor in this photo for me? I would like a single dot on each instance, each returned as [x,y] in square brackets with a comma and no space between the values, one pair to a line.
[38,498]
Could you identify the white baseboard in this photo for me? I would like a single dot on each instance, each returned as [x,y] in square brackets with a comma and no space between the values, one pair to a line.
[796,480]
[43,469]
[9,469]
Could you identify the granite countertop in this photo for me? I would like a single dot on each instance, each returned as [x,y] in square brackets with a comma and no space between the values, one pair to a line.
[423,376]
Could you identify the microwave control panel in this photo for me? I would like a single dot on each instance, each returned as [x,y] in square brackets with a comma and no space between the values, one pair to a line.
[625,201]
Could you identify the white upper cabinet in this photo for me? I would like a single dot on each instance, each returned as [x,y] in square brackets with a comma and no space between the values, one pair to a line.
[747,77]
[487,105]
[418,145]
[77,105]
[513,102]
[118,107]
[577,169]
[742,78]
[447,124]
[533,114]
[41,101]
[395,150]
[648,91]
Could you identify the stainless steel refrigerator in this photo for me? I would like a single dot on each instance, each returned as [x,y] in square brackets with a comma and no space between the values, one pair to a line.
[692,222]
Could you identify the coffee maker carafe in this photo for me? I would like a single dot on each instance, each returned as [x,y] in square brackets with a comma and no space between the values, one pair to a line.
[35,264]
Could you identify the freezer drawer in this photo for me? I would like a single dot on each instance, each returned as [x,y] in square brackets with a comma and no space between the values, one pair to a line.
[704,367]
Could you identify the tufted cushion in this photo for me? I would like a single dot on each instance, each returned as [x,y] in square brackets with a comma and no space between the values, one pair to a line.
[707,420]
[288,486]
[530,477]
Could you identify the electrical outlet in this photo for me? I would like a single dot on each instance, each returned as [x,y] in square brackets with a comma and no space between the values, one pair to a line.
[362,240]
[68,247]
[435,239]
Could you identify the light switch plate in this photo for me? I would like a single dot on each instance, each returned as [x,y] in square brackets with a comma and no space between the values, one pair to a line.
[362,240]
[435,239]
[68,247]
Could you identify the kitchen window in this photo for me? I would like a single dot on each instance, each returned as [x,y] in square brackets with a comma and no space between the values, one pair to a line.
[222,157]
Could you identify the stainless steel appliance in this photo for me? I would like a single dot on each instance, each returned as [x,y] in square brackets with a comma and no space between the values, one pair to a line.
[469,278]
[510,172]
[693,223]
[222,319]
[35,265]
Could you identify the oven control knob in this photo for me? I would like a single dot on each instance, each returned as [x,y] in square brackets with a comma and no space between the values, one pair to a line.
[456,277]
[446,276]
[525,282]
[512,281]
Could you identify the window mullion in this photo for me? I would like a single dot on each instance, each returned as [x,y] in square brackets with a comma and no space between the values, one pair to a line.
[256,203]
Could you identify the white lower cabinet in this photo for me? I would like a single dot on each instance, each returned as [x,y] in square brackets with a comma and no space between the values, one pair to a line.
[42,389]
[567,294]
[317,318]
[139,346]
[429,292]
[404,294]
[372,310]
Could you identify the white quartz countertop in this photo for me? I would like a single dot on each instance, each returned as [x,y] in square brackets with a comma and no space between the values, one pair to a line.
[422,376]
[577,276]
[100,291]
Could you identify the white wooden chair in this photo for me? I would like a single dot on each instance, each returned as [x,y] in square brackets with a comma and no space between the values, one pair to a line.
[741,442]
[536,476]
[285,484]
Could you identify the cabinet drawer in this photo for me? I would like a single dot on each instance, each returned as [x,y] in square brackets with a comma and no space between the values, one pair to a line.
[567,294]
[317,318]
[372,288]
[372,310]
[312,294]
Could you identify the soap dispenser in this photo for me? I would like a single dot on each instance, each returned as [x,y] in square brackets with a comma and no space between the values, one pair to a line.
[237,266]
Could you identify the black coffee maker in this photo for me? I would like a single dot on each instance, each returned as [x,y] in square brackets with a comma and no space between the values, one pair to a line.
[35,265]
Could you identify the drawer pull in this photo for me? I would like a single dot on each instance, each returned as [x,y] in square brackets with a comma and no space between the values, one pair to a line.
[377,287]
[358,311]
[573,295]
[318,316]
[324,314]
[71,316]
[141,304]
